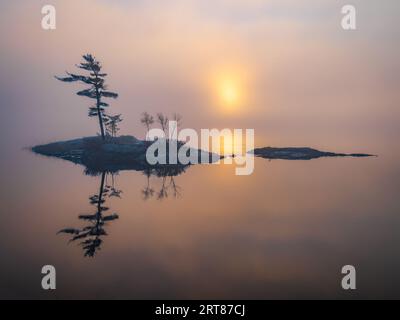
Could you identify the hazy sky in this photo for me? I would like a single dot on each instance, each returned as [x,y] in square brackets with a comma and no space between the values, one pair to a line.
[303,80]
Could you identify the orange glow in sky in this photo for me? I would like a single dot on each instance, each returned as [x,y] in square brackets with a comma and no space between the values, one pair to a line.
[230,90]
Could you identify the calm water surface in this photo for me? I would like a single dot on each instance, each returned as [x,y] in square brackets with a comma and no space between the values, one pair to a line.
[283,232]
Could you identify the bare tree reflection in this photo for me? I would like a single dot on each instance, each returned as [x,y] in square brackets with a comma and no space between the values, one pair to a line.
[114,192]
[168,185]
[91,234]
[147,191]
[175,188]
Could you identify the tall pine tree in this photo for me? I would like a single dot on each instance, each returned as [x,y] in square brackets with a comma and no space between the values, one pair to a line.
[97,89]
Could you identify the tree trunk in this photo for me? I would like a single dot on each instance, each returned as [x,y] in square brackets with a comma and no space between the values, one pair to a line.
[100,114]
[103,176]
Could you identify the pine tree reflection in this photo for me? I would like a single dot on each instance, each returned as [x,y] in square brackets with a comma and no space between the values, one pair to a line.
[91,235]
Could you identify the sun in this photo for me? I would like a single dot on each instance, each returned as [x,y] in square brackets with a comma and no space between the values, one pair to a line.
[229,86]
[229,93]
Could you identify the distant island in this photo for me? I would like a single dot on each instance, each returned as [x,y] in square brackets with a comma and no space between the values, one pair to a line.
[301,153]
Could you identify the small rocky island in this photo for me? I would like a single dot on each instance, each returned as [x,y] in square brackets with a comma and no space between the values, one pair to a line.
[113,154]
[124,152]
[301,153]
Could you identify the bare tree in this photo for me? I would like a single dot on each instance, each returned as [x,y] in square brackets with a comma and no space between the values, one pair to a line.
[97,89]
[111,123]
[163,121]
[147,120]
[178,119]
